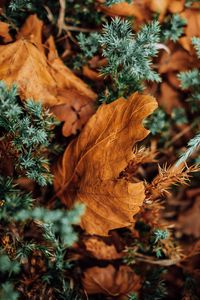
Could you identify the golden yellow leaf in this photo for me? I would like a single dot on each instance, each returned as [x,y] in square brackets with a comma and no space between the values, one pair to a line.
[91,164]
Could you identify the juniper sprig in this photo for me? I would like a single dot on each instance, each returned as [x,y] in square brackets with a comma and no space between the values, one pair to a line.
[129,56]
[27,130]
[190,81]
[193,145]
[112,2]
[172,28]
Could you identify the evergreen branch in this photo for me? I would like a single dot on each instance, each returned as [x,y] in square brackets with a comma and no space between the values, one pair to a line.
[27,129]
[112,2]
[172,28]
[7,292]
[193,145]
[196,44]
[188,3]
[128,55]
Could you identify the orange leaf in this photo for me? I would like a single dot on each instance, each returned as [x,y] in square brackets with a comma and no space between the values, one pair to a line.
[23,63]
[4,32]
[176,6]
[179,60]
[159,6]
[101,250]
[189,221]
[91,165]
[91,74]
[75,98]
[137,9]
[112,282]
[169,97]
[46,79]
[192,29]
[32,31]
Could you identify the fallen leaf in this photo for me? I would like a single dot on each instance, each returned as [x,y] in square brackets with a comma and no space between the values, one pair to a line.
[76,99]
[4,32]
[192,28]
[91,74]
[178,60]
[91,164]
[32,31]
[173,80]
[189,221]
[159,6]
[23,63]
[110,281]
[176,6]
[169,98]
[100,250]
[46,79]
[137,9]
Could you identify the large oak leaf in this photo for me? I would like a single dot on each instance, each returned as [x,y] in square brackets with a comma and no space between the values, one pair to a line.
[46,79]
[89,170]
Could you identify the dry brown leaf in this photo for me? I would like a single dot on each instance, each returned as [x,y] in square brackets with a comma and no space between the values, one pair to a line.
[169,98]
[101,250]
[91,165]
[137,9]
[47,80]
[110,281]
[23,63]
[4,32]
[179,60]
[173,80]
[91,74]
[189,222]
[76,99]
[32,31]
[176,6]
[159,6]
[192,29]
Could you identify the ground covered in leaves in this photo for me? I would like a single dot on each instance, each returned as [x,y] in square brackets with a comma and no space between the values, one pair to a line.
[99,140]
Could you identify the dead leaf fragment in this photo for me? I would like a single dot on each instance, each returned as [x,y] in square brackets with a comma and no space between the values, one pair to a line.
[137,9]
[179,60]
[192,28]
[110,281]
[32,31]
[189,222]
[91,74]
[91,165]
[159,6]
[169,98]
[4,32]
[101,250]
[176,6]
[23,63]
[76,99]
[46,79]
